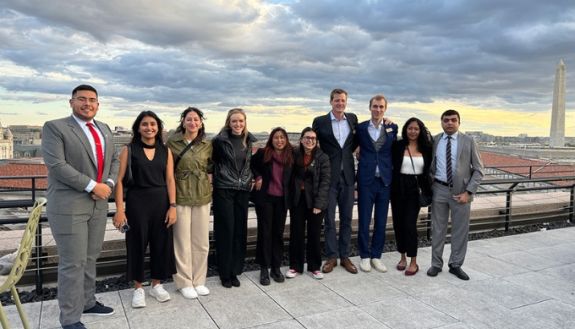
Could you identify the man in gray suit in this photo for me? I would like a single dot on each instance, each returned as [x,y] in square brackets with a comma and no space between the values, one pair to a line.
[82,169]
[457,171]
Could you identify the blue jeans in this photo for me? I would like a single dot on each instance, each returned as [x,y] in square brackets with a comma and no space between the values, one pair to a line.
[369,195]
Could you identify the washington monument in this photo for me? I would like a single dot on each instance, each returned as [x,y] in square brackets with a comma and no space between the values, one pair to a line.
[557,133]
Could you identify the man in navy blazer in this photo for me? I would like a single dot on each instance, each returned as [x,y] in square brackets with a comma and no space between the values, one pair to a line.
[82,168]
[374,172]
[335,133]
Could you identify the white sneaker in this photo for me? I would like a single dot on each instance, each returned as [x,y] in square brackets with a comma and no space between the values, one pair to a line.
[189,292]
[364,265]
[202,290]
[139,298]
[291,273]
[317,275]
[160,293]
[378,265]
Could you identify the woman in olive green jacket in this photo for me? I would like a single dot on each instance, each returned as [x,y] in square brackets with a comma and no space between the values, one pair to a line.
[193,167]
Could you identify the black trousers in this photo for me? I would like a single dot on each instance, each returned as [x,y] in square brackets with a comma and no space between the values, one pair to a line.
[405,211]
[230,230]
[300,216]
[271,214]
[146,213]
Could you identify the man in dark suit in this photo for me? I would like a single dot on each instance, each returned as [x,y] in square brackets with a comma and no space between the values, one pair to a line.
[457,171]
[335,132]
[82,168]
[374,171]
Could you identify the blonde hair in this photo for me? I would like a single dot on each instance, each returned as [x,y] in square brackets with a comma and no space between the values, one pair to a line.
[227,128]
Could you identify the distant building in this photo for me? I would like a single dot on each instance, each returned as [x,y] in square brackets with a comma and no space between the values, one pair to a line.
[27,141]
[6,143]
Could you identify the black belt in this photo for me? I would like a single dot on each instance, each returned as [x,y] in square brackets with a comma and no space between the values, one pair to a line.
[442,183]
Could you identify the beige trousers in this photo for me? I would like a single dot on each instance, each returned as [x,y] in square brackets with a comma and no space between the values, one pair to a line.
[191,245]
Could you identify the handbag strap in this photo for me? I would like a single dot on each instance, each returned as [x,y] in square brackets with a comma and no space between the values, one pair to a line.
[188,147]
[412,165]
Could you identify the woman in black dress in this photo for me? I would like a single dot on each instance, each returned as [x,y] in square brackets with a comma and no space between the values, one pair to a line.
[150,209]
[412,157]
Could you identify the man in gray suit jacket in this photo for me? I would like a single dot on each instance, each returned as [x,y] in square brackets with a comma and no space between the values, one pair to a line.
[457,171]
[82,169]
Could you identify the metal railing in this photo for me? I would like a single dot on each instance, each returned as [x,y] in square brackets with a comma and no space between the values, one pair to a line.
[495,217]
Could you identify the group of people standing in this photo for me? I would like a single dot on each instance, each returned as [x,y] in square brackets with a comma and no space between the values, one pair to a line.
[163,193]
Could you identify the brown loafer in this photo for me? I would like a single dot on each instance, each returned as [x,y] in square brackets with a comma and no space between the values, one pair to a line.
[329,265]
[348,265]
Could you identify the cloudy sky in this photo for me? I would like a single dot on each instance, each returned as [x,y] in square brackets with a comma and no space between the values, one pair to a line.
[493,60]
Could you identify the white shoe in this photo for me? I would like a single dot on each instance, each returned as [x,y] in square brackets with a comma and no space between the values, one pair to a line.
[291,273]
[378,265]
[364,265]
[202,290]
[189,292]
[317,275]
[160,293]
[139,298]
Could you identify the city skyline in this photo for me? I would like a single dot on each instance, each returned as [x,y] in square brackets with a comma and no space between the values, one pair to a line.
[493,62]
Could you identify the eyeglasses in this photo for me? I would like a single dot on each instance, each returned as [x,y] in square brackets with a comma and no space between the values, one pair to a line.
[309,139]
[375,106]
[447,120]
[85,99]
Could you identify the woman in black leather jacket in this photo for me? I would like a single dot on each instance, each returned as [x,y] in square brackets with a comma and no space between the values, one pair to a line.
[232,181]
[310,197]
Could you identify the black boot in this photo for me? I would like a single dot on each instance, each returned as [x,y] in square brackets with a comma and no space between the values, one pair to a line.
[277,275]
[264,277]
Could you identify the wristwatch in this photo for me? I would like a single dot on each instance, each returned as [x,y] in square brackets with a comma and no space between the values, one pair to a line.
[173,205]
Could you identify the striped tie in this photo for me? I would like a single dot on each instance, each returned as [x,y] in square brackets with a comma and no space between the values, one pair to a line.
[448,169]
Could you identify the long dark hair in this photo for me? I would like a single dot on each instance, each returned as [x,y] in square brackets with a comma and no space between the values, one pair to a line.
[287,153]
[301,148]
[424,140]
[201,132]
[137,137]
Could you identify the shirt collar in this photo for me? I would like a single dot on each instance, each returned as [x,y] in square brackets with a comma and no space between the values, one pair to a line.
[453,136]
[371,124]
[333,118]
[81,122]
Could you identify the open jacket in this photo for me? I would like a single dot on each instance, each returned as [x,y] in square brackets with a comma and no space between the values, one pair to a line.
[264,170]
[424,180]
[316,180]
[227,175]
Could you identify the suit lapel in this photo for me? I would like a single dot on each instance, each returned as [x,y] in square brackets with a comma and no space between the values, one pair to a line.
[460,141]
[77,130]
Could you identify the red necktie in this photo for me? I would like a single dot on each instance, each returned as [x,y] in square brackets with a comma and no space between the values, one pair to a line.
[99,151]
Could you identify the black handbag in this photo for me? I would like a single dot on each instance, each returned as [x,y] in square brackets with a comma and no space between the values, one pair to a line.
[128,179]
[424,198]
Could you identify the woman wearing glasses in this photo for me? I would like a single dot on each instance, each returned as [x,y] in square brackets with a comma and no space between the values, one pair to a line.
[412,157]
[232,181]
[272,167]
[192,166]
[150,207]
[310,198]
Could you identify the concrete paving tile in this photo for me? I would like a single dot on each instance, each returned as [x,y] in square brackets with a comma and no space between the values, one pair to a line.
[504,293]
[528,260]
[347,318]
[471,308]
[493,267]
[365,288]
[565,272]
[549,314]
[546,285]
[31,310]
[108,323]
[286,324]
[50,317]
[179,314]
[243,311]
[399,313]
[300,301]
[458,325]
[301,280]
[561,253]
